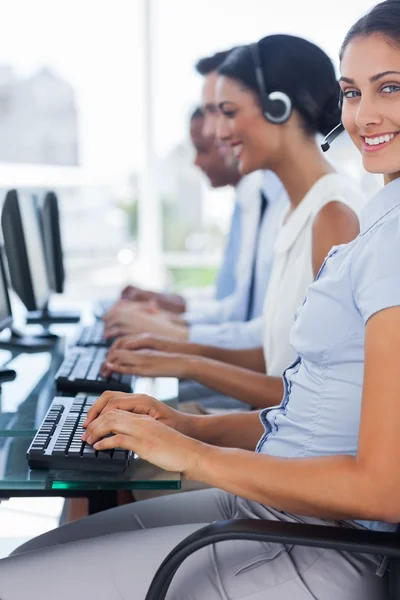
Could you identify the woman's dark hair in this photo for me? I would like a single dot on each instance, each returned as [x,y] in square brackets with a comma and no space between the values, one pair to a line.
[383,19]
[209,64]
[296,67]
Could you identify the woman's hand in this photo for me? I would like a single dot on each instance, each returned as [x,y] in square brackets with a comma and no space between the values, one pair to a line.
[150,439]
[146,363]
[145,427]
[146,341]
[140,404]
[129,318]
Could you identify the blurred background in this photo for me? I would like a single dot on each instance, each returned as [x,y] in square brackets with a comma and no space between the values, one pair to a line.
[95,97]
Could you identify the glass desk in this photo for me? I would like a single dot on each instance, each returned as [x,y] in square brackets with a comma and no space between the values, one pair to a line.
[23,404]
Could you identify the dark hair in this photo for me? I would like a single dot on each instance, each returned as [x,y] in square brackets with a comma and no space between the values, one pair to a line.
[197,113]
[296,67]
[384,19]
[208,64]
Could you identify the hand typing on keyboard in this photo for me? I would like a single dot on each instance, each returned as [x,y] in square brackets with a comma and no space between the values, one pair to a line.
[146,341]
[58,442]
[126,318]
[149,363]
[146,426]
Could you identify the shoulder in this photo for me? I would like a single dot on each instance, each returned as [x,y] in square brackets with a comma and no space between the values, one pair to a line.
[336,220]
[375,267]
[379,248]
[340,190]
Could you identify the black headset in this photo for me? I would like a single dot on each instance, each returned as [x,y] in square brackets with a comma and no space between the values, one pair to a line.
[332,135]
[277,106]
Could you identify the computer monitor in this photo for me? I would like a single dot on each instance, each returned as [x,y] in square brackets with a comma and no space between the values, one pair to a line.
[49,218]
[17,340]
[25,249]
[6,319]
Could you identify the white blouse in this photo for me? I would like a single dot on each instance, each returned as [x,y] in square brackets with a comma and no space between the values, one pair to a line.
[292,270]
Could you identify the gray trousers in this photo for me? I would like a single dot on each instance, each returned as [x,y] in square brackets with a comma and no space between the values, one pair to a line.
[113,556]
[206,397]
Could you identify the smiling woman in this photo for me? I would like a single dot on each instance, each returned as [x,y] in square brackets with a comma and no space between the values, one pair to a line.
[371,89]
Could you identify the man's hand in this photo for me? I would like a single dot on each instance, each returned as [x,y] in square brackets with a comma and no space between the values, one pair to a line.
[173,303]
[127,317]
[136,294]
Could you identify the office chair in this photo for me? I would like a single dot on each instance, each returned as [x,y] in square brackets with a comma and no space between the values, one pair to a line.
[332,538]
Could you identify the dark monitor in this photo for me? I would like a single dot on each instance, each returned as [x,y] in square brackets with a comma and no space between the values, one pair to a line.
[49,218]
[25,251]
[6,319]
[17,340]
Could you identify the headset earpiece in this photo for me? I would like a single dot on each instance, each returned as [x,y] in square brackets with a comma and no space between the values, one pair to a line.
[277,106]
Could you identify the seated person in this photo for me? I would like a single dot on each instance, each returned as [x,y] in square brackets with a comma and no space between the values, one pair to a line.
[221,171]
[322,213]
[324,456]
[235,320]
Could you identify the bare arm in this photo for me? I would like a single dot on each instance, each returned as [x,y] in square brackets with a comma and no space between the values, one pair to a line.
[335,224]
[365,486]
[240,430]
[251,358]
[256,389]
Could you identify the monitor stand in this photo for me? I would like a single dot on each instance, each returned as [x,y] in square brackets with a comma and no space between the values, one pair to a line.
[47,317]
[20,342]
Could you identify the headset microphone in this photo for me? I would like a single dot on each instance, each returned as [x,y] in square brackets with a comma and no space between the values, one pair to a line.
[332,135]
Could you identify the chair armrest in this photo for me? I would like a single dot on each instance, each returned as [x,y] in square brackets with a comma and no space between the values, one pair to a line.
[301,534]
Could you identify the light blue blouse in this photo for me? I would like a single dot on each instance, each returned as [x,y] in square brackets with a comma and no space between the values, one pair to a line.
[320,411]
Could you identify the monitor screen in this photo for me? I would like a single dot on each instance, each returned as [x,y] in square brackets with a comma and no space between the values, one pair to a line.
[49,218]
[5,306]
[24,249]
[34,249]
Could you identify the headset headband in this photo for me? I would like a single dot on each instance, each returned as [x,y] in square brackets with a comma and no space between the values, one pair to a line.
[255,51]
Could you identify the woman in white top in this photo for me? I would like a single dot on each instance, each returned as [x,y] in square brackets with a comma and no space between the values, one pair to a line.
[294,270]
[322,213]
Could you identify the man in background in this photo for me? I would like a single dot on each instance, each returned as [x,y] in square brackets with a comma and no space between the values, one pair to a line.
[234,321]
[220,172]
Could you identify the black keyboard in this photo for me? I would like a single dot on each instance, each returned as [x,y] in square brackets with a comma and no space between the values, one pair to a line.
[80,372]
[58,444]
[93,335]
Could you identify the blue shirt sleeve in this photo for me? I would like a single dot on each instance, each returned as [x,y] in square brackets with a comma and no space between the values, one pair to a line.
[234,334]
[226,279]
[376,269]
